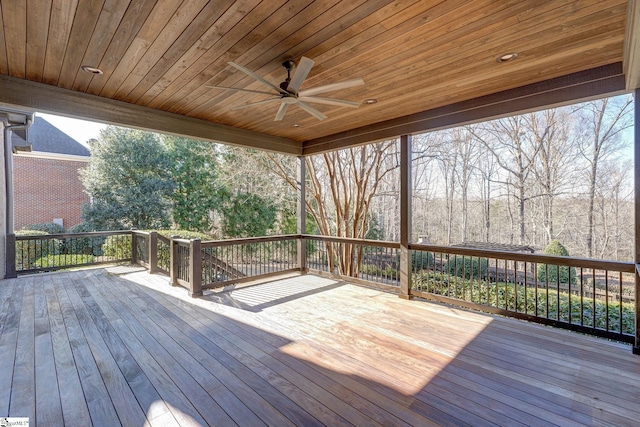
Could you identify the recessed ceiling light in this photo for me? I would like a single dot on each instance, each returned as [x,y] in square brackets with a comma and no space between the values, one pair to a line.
[370,101]
[91,70]
[507,57]
[295,125]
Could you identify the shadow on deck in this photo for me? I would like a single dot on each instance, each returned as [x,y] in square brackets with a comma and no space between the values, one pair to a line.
[93,347]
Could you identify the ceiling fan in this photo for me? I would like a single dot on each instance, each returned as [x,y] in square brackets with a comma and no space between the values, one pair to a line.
[289,93]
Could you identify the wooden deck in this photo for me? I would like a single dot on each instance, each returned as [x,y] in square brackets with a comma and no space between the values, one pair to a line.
[94,347]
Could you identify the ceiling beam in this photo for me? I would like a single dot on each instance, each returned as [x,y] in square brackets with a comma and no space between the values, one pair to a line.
[632,46]
[44,98]
[607,80]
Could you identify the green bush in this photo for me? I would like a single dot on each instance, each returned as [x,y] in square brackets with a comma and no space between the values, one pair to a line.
[63,260]
[373,270]
[83,227]
[47,227]
[421,260]
[27,251]
[553,273]
[118,247]
[184,234]
[467,267]
[542,302]
[83,245]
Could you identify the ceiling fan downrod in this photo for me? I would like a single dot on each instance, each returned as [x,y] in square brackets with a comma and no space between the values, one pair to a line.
[288,65]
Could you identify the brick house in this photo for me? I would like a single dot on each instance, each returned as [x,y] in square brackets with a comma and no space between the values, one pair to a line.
[47,187]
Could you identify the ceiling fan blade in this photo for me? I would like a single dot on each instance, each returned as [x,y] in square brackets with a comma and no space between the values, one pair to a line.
[331,87]
[237,89]
[301,73]
[281,112]
[257,77]
[265,101]
[309,109]
[329,101]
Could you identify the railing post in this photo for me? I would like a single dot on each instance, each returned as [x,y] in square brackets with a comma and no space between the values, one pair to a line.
[302,255]
[302,215]
[173,261]
[134,246]
[636,347]
[405,216]
[195,268]
[10,257]
[153,252]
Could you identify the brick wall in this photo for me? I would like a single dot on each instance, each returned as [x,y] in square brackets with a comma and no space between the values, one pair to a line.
[45,189]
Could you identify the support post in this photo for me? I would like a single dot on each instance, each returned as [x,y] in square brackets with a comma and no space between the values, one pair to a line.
[405,216]
[195,268]
[636,190]
[173,261]
[10,266]
[10,257]
[302,215]
[134,246]
[153,252]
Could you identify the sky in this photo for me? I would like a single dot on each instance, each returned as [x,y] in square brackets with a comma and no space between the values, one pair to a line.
[80,130]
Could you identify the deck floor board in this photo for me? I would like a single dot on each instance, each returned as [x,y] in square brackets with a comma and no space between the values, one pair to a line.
[96,348]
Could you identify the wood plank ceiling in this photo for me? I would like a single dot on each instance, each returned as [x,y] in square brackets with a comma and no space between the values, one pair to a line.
[414,55]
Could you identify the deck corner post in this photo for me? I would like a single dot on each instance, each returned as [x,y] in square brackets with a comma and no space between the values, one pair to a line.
[134,246]
[405,216]
[10,257]
[636,197]
[195,268]
[173,261]
[302,215]
[153,252]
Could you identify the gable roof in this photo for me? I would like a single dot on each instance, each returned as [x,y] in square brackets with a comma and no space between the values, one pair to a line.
[45,137]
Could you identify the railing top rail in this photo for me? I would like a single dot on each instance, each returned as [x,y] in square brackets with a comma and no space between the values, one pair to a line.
[68,235]
[228,242]
[181,242]
[395,245]
[164,239]
[140,232]
[622,266]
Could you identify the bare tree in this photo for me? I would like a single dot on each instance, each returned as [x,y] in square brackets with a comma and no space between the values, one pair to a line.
[601,123]
[550,132]
[341,186]
[509,143]
[487,167]
[612,195]
[447,157]
[467,150]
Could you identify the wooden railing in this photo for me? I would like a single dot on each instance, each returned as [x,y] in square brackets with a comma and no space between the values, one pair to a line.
[587,295]
[198,265]
[591,296]
[240,260]
[52,252]
[370,261]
